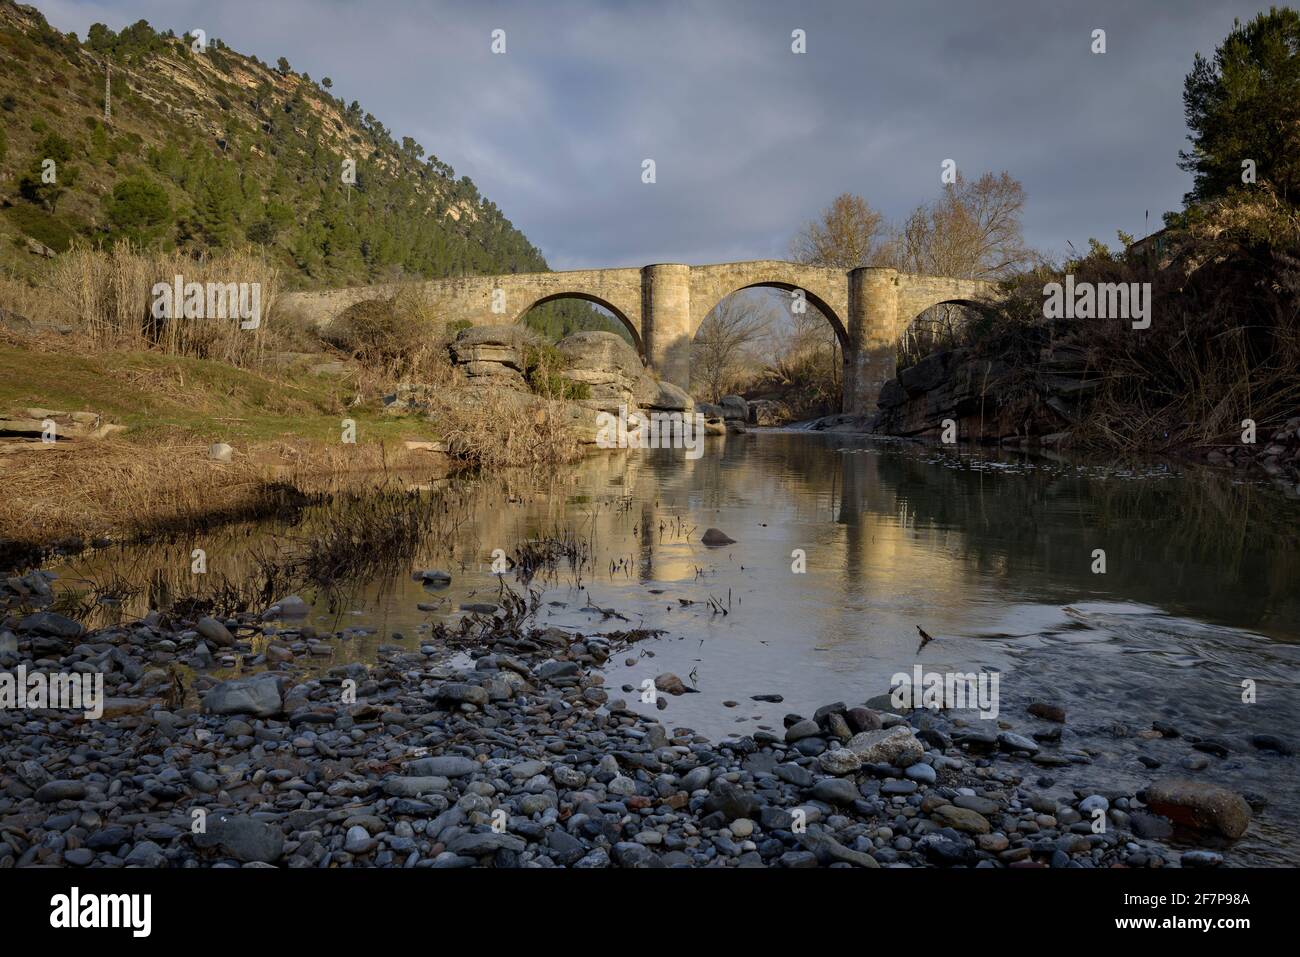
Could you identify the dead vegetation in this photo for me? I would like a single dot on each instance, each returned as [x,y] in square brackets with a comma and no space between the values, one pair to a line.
[501,429]
[72,496]
[1223,344]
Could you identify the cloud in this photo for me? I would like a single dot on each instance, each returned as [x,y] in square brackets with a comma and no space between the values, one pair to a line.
[750,140]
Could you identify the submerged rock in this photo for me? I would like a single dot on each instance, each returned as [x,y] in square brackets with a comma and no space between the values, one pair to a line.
[1200,804]
[432,576]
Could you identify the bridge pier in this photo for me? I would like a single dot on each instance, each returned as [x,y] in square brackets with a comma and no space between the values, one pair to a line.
[870,353]
[666,321]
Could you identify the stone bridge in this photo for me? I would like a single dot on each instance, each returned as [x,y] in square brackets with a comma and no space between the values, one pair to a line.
[663,305]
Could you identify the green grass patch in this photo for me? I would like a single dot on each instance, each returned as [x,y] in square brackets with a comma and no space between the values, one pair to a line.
[153,394]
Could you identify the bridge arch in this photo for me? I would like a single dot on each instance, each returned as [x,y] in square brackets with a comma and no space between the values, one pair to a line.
[923,293]
[596,300]
[663,305]
[917,338]
[826,309]
[824,288]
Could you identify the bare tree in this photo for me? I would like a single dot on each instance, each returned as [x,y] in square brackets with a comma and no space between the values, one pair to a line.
[848,234]
[734,326]
[972,231]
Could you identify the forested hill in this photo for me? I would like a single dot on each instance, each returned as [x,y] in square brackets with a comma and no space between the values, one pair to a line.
[213,149]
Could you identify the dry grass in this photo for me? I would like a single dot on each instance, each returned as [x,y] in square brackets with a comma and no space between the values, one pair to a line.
[806,378]
[509,429]
[20,298]
[180,384]
[106,296]
[102,489]
[133,491]
[1224,340]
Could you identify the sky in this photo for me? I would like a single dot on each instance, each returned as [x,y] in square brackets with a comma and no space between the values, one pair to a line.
[749,139]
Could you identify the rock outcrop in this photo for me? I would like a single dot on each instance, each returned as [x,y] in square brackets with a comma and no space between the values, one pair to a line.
[659,396]
[988,398]
[734,408]
[494,353]
[607,365]
[29,424]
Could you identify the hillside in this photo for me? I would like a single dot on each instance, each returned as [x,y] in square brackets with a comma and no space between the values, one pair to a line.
[214,149]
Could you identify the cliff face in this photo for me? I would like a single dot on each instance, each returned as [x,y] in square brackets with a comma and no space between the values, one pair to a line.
[212,148]
[989,399]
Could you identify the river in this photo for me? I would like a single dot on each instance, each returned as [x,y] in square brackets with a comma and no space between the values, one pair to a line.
[843,547]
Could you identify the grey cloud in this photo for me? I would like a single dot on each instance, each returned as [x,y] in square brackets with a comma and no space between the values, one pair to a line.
[749,139]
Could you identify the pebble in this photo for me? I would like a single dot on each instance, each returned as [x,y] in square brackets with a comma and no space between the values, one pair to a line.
[515,756]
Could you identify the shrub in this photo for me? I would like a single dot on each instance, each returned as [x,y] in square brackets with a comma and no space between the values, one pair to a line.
[42,226]
[138,210]
[393,336]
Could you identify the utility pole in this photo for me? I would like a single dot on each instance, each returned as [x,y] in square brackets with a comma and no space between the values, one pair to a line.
[108,93]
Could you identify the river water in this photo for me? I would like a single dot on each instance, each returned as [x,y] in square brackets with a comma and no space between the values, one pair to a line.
[843,547]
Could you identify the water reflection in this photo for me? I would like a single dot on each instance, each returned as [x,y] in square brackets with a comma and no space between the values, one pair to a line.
[990,553]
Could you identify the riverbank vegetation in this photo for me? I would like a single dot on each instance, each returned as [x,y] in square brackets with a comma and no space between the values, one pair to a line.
[281,396]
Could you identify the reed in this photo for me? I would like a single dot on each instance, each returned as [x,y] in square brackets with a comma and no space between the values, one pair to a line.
[106,297]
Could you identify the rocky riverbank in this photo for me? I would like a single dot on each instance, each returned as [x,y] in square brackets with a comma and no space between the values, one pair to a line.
[224,743]
[991,402]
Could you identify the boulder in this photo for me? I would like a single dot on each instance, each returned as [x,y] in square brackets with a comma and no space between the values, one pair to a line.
[1201,805]
[215,632]
[50,623]
[606,364]
[963,819]
[734,407]
[887,747]
[494,353]
[660,396]
[671,684]
[830,851]
[244,838]
[732,800]
[768,412]
[260,696]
